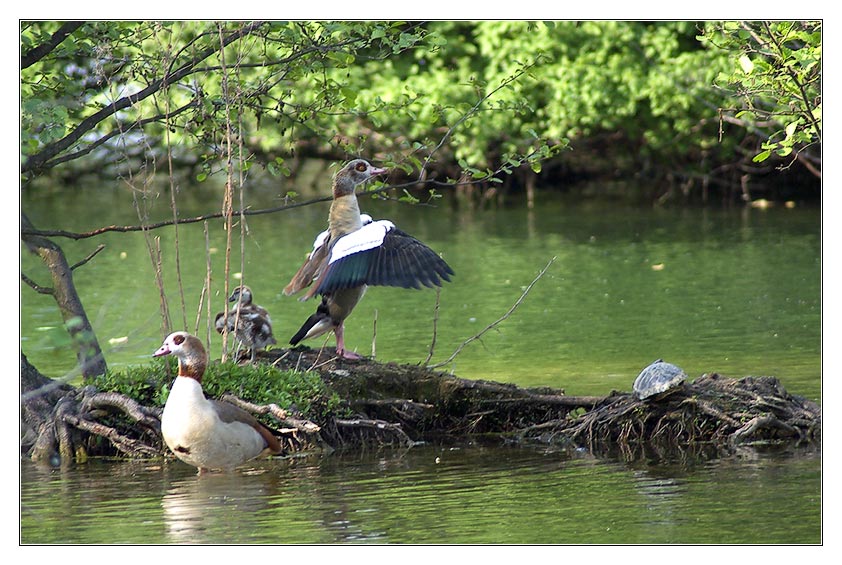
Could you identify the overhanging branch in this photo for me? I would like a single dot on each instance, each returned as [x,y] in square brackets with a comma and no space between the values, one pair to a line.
[37,53]
[39,160]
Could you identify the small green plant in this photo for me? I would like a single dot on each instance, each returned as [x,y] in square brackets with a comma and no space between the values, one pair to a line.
[264,384]
[148,384]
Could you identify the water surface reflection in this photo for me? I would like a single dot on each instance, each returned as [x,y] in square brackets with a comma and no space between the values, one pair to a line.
[431,495]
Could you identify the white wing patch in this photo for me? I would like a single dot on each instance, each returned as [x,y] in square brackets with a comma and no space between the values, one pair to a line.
[368,237]
[320,239]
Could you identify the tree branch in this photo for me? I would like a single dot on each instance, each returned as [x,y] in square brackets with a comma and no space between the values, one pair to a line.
[30,231]
[93,253]
[495,323]
[38,160]
[37,53]
[35,286]
[119,130]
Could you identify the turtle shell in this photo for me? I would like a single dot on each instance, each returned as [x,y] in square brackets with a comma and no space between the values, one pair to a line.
[657,379]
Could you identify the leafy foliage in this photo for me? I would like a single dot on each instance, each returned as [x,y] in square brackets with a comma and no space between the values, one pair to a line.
[487,96]
[776,73]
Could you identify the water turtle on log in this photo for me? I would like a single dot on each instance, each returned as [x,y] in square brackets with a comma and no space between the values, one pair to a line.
[658,380]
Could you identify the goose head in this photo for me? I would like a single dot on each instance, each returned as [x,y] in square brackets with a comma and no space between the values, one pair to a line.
[188,349]
[242,294]
[353,173]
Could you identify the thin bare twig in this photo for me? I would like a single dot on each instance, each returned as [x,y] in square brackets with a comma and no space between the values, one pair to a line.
[435,326]
[159,280]
[93,253]
[374,336]
[495,323]
[206,292]
[173,189]
[227,209]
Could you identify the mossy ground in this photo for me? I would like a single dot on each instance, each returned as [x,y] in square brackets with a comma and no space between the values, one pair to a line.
[303,392]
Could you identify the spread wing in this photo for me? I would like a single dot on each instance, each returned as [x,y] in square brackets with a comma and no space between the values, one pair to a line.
[379,254]
[317,261]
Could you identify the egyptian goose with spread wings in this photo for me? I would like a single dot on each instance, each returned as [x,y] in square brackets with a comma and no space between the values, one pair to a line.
[354,253]
[208,434]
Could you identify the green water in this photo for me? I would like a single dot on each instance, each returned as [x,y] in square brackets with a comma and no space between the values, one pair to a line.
[430,494]
[734,291]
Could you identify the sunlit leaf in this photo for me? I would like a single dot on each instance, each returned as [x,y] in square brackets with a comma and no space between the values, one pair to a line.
[746,64]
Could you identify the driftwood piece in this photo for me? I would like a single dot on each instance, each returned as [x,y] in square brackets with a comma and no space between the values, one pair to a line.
[276,412]
[368,431]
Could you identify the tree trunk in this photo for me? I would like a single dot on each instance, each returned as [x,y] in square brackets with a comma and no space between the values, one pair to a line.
[89,354]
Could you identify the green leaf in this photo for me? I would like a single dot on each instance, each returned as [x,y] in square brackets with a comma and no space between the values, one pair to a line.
[762,156]
[790,128]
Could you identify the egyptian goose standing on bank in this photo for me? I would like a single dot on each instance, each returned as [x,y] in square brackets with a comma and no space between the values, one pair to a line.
[208,434]
[354,253]
[248,322]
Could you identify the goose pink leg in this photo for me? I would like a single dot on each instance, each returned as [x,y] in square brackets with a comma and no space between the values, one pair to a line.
[340,344]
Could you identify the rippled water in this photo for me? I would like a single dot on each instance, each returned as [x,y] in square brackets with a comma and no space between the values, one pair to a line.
[431,495]
[735,291]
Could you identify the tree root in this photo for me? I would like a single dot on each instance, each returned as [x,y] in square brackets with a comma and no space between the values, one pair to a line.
[365,431]
[127,445]
[84,422]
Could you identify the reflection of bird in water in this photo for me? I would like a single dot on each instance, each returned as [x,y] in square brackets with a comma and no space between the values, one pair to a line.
[208,434]
[217,508]
[248,322]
